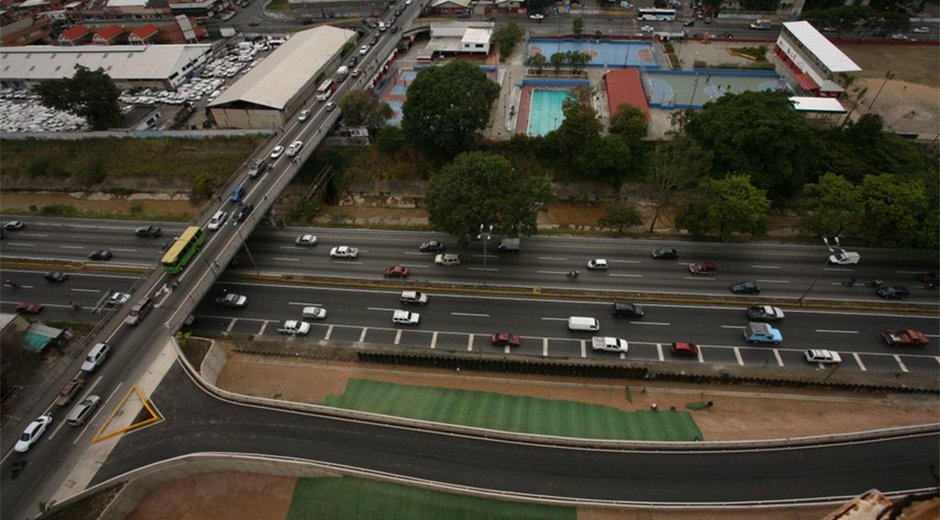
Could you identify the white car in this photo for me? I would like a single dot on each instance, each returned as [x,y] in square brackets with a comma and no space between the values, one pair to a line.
[355,72]
[295,327]
[277,151]
[96,357]
[32,433]
[609,344]
[118,298]
[294,148]
[306,240]
[646,29]
[597,264]
[344,252]
[314,313]
[898,36]
[363,50]
[826,357]
[330,106]
[217,220]
[920,30]
[536,16]
[406,318]
[447,259]
[304,114]
[407,2]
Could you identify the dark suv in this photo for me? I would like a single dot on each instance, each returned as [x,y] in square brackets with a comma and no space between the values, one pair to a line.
[627,310]
[148,231]
[894,292]
[138,311]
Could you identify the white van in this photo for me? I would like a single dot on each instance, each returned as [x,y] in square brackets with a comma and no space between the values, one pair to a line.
[583,324]
[382,27]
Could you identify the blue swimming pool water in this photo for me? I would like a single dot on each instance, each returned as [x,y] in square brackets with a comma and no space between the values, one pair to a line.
[546,112]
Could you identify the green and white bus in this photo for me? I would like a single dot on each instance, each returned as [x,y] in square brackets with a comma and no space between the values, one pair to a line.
[183,250]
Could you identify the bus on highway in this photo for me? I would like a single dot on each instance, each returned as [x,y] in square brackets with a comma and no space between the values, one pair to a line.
[326,88]
[656,15]
[183,250]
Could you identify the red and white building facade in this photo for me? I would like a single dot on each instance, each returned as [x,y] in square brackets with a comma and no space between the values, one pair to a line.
[811,60]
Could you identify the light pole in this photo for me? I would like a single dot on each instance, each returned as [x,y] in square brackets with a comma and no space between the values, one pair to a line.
[485,236]
[888,76]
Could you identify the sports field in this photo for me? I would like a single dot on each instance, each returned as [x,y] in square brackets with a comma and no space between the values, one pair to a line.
[352,498]
[515,413]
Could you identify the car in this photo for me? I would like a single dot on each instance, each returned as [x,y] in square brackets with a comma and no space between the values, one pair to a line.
[665,253]
[537,16]
[684,349]
[893,292]
[703,268]
[407,2]
[277,151]
[394,29]
[609,344]
[409,297]
[597,264]
[330,106]
[303,115]
[83,410]
[920,30]
[760,332]
[294,148]
[344,252]
[56,276]
[257,168]
[447,259]
[29,308]
[646,29]
[899,36]
[929,278]
[905,338]
[306,240]
[363,50]
[14,225]
[375,38]
[355,73]
[431,246]
[101,255]
[708,19]
[764,313]
[505,339]
[295,327]
[95,357]
[217,220]
[32,433]
[314,313]
[396,271]
[139,311]
[242,212]
[231,300]
[627,310]
[745,288]
[688,23]
[405,318]
[398,12]
[826,357]
[829,28]
[148,232]
[353,60]
[118,298]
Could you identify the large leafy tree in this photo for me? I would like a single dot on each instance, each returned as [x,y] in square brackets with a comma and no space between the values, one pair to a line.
[834,206]
[483,188]
[606,159]
[579,129]
[629,122]
[898,213]
[758,134]
[678,166]
[726,206]
[447,107]
[88,93]
[506,37]
[363,109]
[864,148]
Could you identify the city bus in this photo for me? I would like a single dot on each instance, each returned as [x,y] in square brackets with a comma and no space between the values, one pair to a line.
[326,88]
[183,250]
[656,15]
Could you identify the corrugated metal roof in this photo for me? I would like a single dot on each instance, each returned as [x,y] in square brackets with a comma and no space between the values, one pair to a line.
[830,55]
[280,76]
[125,62]
[817,104]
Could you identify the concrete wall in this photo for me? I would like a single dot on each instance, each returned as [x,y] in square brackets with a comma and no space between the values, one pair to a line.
[213,363]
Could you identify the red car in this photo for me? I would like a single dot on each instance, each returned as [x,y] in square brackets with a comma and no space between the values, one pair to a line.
[905,338]
[30,308]
[703,268]
[684,349]
[501,339]
[396,271]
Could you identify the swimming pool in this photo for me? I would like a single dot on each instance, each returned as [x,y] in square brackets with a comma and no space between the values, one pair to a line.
[545,112]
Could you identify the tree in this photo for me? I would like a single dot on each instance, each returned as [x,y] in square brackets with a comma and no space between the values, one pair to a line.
[898,213]
[758,134]
[629,122]
[538,61]
[579,129]
[577,27]
[390,139]
[361,108]
[577,61]
[506,37]
[678,166]
[834,206]
[620,216]
[558,61]
[482,188]
[202,188]
[447,107]
[605,159]
[89,94]
[726,206]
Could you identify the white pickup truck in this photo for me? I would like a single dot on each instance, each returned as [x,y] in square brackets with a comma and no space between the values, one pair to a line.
[295,327]
[609,344]
[406,318]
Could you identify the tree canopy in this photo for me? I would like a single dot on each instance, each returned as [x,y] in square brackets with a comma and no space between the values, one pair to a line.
[482,188]
[506,37]
[678,165]
[726,206]
[833,206]
[88,93]
[629,122]
[361,108]
[446,108]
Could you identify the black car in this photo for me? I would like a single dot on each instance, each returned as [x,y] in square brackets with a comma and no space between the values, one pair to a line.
[101,255]
[56,277]
[242,212]
[689,23]
[15,225]
[148,232]
[431,246]
[627,310]
[398,12]
[352,61]
[375,39]
[665,253]
[745,288]
[894,292]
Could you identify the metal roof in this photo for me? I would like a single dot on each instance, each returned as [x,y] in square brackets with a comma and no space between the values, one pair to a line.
[817,104]
[827,53]
[120,62]
[280,76]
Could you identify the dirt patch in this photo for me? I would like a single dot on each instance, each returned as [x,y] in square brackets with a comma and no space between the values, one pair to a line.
[20,202]
[229,496]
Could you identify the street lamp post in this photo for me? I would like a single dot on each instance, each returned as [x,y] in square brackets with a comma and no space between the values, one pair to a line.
[485,236]
[888,76]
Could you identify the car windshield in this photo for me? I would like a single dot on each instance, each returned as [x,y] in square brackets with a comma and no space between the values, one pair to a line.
[26,435]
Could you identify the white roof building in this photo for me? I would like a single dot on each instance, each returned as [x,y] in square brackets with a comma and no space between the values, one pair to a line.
[460,37]
[824,51]
[813,61]
[822,105]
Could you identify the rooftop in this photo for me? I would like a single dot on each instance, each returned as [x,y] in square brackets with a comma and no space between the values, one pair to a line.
[830,55]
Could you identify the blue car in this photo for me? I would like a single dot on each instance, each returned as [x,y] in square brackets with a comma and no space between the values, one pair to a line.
[762,333]
[237,194]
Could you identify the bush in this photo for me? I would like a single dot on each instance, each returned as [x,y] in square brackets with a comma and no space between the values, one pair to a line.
[202,188]
[57,210]
[390,139]
[91,173]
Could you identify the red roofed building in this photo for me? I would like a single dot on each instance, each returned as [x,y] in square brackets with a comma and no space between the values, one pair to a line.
[143,35]
[76,35]
[110,35]
[624,86]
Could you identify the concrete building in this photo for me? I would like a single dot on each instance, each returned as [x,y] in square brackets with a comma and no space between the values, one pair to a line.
[282,82]
[811,60]
[458,38]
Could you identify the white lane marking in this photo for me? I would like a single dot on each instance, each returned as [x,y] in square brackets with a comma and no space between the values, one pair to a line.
[552,272]
[125,250]
[659,351]
[909,272]
[737,354]
[938,359]
[559,258]
[470,343]
[704,278]
[932,335]
[583,348]
[545,348]
[858,360]
[72,247]
[362,335]
[488,269]
[415,266]
[87,290]
[343,262]
[40,235]
[773,281]
[329,332]
[626,275]
[285,259]
[470,314]
[231,325]
[264,327]
[658,323]
[779,359]
[433,340]
[416,253]
[294,247]
[20,244]
[398,336]
[900,363]
[838,269]
[506,349]
[701,359]
[766,266]
[623,261]
[305,304]
[739,327]
[554,319]
[486,256]
[831,331]
[382,309]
